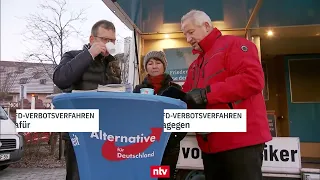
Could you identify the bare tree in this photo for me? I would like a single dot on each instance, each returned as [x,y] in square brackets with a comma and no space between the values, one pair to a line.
[50,31]
[123,60]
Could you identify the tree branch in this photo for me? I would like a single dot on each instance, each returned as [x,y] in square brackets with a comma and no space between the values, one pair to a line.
[50,30]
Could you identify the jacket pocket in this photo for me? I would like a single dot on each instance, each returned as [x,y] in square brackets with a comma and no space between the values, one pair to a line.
[212,56]
[213,75]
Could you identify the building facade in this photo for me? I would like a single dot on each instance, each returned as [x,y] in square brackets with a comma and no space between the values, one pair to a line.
[35,77]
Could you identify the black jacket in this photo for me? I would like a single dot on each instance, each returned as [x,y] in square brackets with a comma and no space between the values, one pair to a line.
[172,150]
[165,84]
[78,71]
[175,138]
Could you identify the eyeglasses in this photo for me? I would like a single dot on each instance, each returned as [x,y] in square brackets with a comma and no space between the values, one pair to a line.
[104,39]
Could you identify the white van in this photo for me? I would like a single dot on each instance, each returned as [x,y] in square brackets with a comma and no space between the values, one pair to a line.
[11,143]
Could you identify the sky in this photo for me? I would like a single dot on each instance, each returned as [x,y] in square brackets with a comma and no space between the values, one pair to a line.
[13,47]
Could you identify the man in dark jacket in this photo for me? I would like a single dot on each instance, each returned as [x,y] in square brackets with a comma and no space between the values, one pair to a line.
[226,74]
[84,70]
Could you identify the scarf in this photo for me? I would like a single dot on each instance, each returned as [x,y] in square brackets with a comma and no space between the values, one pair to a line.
[156,82]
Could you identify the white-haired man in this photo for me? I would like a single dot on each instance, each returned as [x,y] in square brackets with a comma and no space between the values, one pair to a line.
[226,74]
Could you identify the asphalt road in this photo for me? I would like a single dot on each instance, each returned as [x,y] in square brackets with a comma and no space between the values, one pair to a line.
[32,174]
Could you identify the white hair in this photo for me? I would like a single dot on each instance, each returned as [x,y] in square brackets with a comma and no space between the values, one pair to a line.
[198,17]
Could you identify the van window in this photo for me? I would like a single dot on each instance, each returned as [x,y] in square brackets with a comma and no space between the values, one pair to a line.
[3,114]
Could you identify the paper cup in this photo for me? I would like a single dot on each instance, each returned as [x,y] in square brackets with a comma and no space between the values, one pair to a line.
[111,47]
[147,91]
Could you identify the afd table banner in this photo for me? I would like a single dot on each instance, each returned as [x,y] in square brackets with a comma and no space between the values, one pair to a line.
[131,137]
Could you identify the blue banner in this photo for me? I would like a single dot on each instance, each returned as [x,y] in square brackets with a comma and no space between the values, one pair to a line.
[131,137]
[179,60]
[178,75]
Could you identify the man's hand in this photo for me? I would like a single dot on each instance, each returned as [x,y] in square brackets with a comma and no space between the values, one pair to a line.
[197,98]
[97,48]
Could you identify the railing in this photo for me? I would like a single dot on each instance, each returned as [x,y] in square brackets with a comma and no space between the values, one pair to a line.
[41,150]
[17,105]
[47,105]
[38,146]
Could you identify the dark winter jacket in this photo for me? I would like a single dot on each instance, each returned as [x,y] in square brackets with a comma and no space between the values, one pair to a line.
[78,71]
[172,150]
[168,81]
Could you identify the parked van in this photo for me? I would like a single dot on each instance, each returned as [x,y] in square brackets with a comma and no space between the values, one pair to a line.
[11,143]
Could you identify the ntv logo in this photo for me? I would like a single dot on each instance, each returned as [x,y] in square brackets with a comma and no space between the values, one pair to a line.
[160,171]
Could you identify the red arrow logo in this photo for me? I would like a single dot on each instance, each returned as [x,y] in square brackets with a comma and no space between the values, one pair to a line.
[110,150]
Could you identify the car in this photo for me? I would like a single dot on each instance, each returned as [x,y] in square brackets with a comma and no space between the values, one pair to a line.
[11,142]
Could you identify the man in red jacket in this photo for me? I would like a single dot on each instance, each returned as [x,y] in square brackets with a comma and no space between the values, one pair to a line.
[226,75]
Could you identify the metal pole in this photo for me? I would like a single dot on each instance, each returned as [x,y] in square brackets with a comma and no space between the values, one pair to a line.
[22,96]
[33,102]
[137,57]
[60,146]
[248,35]
[253,15]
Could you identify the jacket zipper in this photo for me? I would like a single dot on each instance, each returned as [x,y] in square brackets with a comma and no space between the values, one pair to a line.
[196,77]
[193,73]
[104,79]
[198,73]
[205,138]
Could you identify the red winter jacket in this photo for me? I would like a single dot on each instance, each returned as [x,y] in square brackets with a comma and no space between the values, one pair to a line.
[230,66]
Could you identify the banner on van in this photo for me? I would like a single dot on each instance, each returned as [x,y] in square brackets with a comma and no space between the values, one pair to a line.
[280,155]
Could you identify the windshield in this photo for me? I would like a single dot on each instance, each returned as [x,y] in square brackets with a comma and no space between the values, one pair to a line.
[3,114]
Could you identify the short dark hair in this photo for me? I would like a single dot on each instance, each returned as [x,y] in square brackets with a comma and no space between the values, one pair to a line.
[104,24]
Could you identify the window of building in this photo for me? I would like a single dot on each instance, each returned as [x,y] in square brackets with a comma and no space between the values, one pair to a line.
[43,81]
[2,69]
[36,75]
[304,80]
[23,80]
[20,69]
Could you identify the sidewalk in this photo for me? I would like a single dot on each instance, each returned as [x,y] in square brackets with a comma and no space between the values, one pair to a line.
[33,174]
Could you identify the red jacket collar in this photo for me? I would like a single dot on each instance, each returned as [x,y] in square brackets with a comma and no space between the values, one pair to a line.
[207,42]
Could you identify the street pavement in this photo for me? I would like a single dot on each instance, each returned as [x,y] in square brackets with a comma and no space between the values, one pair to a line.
[32,174]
